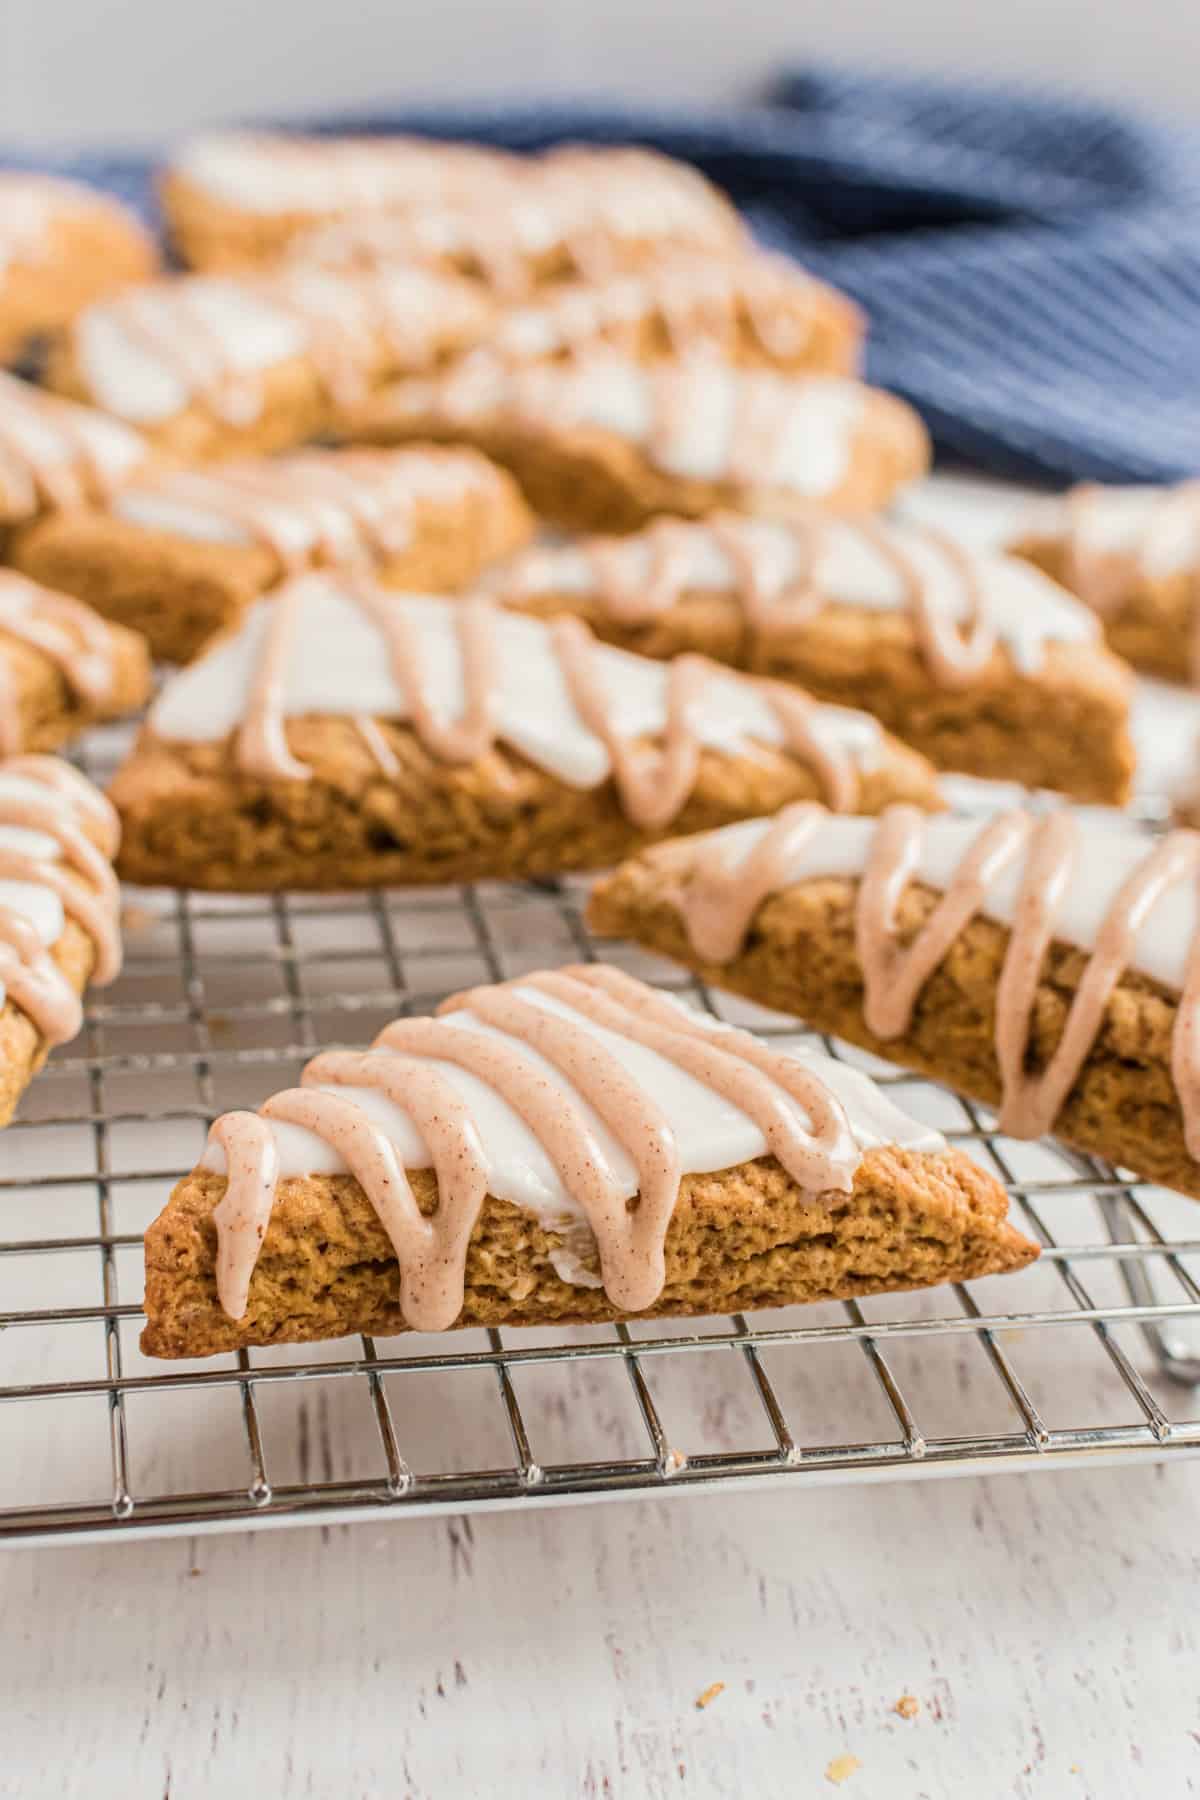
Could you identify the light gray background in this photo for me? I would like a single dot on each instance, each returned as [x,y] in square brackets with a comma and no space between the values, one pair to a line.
[124,70]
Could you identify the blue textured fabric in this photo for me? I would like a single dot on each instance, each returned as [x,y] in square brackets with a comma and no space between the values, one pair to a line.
[1030,264]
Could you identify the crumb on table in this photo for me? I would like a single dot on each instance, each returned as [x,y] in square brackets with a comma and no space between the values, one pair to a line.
[841,1769]
[709,1695]
[908,1706]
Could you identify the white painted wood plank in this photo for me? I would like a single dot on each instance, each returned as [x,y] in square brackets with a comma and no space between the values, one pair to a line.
[1046,1626]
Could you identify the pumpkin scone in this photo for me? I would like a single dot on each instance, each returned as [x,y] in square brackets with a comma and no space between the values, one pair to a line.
[180,554]
[59,911]
[977,659]
[62,245]
[345,736]
[55,454]
[568,1148]
[233,200]
[213,367]
[62,667]
[1133,555]
[1045,965]
[605,442]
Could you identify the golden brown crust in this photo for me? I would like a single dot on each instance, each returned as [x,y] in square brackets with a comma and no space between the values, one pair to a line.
[1064,726]
[49,712]
[190,819]
[179,592]
[742,1238]
[800,957]
[586,479]
[88,251]
[1154,623]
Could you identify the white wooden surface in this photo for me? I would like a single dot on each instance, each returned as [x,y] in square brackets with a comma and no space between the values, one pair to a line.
[1046,1624]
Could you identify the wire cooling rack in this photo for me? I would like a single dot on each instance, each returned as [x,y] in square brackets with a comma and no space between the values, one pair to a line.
[1092,1354]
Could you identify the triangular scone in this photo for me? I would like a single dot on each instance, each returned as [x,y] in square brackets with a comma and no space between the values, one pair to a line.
[1133,554]
[346,736]
[212,366]
[235,199]
[566,1148]
[59,911]
[179,554]
[604,442]
[1046,965]
[975,658]
[54,453]
[62,667]
[64,245]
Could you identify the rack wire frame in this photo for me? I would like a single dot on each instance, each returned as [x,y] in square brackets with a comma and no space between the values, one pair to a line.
[332,969]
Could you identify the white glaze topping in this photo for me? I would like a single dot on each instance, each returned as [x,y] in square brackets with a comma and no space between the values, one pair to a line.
[337,664]
[709,1130]
[797,566]
[56,454]
[699,418]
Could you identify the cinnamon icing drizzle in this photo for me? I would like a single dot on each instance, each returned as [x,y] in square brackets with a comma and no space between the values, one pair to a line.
[820,1156]
[653,784]
[1102,577]
[40,794]
[717,900]
[75,638]
[778,596]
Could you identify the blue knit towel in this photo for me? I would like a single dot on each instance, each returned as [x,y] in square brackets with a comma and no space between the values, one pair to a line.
[1030,265]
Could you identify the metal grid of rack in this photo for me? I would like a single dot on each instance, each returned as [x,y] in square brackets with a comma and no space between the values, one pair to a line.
[1094,1353]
